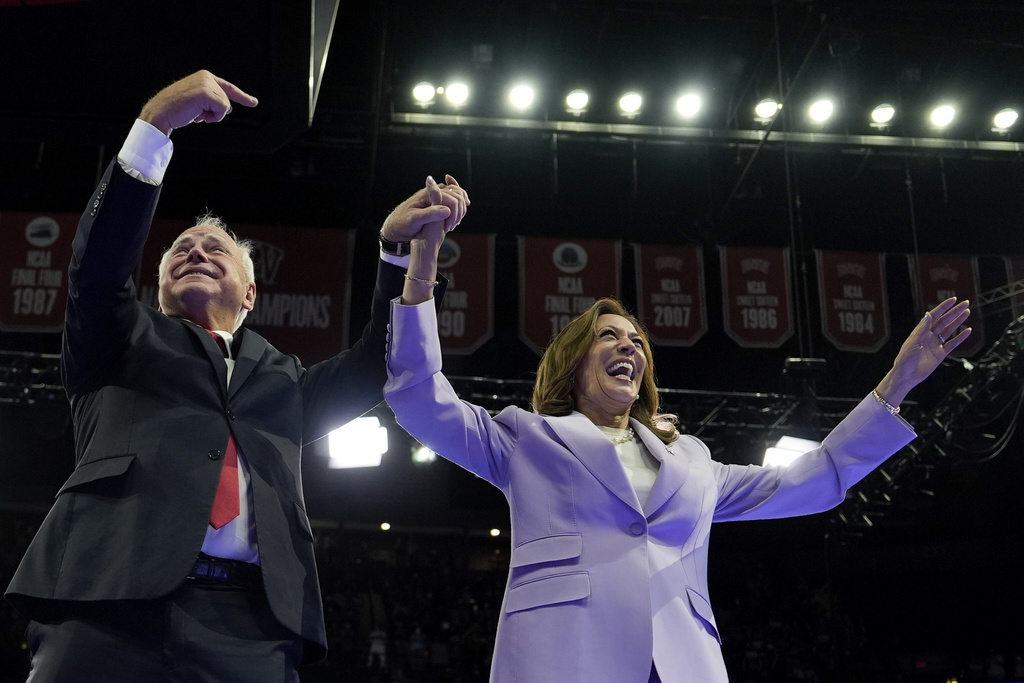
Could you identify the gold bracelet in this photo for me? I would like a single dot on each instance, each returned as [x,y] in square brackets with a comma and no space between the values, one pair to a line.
[885,404]
[432,283]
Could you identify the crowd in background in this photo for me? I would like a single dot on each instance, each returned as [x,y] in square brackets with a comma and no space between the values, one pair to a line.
[419,607]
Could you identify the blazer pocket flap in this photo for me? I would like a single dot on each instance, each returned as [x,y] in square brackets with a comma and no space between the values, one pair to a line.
[702,608]
[549,590]
[97,469]
[547,549]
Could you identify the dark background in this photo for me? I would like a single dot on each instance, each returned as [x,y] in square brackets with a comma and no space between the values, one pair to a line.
[937,573]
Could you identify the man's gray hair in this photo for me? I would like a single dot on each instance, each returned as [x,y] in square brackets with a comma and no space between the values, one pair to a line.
[245,247]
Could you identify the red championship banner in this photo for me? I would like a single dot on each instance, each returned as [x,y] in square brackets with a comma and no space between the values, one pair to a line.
[466,318]
[559,279]
[936,278]
[670,293]
[34,268]
[755,290]
[1015,274]
[303,284]
[854,303]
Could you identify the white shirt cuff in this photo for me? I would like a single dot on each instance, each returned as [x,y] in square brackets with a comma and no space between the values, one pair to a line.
[402,261]
[146,153]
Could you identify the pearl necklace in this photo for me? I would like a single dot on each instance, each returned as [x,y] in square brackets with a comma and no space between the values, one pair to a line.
[628,436]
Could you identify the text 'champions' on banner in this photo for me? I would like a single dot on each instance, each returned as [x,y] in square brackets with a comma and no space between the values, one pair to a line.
[559,279]
[303,284]
[34,262]
[937,277]
[854,303]
[756,296]
[670,293]
[466,319]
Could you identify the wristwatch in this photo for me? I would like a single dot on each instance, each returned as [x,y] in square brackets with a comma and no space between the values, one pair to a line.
[394,248]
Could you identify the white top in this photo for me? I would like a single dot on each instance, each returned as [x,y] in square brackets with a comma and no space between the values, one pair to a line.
[641,467]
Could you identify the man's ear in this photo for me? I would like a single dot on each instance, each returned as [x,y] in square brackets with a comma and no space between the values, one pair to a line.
[250,297]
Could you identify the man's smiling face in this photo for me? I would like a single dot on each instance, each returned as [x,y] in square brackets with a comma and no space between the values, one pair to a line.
[203,279]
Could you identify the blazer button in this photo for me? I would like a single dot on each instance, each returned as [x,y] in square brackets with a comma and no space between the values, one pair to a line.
[231,415]
[214,454]
[636,528]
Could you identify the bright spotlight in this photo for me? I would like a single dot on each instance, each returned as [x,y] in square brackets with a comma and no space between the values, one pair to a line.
[423,93]
[787,449]
[385,526]
[495,532]
[457,93]
[766,109]
[521,97]
[882,115]
[942,116]
[821,111]
[421,455]
[688,105]
[1002,121]
[630,103]
[576,101]
[360,443]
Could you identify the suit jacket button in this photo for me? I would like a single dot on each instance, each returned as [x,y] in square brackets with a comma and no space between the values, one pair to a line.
[231,415]
[214,454]
[636,528]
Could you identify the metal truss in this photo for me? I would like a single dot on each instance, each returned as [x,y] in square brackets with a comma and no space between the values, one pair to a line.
[975,421]
[30,378]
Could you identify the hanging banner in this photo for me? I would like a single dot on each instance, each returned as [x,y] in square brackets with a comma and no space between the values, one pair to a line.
[303,284]
[670,293]
[34,258]
[1015,274]
[559,279]
[936,278]
[466,318]
[755,291]
[854,303]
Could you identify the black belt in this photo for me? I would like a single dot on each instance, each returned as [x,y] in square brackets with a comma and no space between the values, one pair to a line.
[218,571]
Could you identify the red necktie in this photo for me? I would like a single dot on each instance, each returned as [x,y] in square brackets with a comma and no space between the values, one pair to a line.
[226,504]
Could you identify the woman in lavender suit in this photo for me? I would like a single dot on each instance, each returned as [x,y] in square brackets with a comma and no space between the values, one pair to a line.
[611,506]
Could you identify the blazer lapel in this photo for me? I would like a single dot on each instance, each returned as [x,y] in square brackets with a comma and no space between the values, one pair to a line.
[249,353]
[213,350]
[596,452]
[671,474]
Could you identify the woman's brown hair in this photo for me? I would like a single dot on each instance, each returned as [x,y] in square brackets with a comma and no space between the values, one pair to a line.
[553,389]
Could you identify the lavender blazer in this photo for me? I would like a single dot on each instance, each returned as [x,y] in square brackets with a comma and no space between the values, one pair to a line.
[599,586]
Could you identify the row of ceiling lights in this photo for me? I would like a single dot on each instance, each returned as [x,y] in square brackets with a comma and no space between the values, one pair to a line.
[688,106]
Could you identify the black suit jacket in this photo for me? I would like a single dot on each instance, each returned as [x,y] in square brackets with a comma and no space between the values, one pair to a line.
[152,412]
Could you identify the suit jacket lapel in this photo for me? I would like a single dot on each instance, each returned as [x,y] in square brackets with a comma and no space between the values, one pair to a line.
[596,452]
[671,474]
[250,350]
[213,350]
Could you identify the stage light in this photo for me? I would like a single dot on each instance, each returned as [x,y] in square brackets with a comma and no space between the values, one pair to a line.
[765,110]
[882,115]
[1002,121]
[821,111]
[495,532]
[786,450]
[385,526]
[630,103]
[688,105]
[521,97]
[457,93]
[942,116]
[421,455]
[360,443]
[576,102]
[423,93]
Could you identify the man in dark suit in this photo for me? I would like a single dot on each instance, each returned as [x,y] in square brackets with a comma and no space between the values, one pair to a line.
[179,549]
